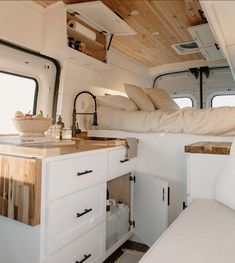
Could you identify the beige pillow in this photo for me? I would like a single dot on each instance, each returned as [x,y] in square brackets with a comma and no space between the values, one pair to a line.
[161,99]
[140,98]
[117,102]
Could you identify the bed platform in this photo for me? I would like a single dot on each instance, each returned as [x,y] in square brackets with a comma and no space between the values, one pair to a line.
[211,121]
[203,233]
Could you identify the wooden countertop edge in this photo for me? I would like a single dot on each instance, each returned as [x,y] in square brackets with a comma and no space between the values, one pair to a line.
[222,148]
[38,151]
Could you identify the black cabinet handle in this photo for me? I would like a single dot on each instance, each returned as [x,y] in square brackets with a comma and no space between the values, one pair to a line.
[84,259]
[85,212]
[125,160]
[85,172]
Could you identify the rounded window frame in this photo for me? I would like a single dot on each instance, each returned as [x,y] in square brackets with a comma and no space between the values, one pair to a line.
[217,95]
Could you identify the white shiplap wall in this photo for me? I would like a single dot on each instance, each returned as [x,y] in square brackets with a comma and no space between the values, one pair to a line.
[23,23]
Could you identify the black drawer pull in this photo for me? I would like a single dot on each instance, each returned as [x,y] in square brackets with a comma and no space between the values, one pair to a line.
[84,259]
[85,172]
[85,212]
[125,160]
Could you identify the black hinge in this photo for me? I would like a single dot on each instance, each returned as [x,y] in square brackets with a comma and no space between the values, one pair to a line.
[132,178]
[163,194]
[110,42]
[169,195]
[184,205]
[132,223]
[217,46]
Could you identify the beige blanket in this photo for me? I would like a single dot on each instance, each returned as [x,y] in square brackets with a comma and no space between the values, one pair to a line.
[213,121]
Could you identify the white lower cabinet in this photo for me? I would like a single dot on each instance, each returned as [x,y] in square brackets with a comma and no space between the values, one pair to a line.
[74,215]
[73,210]
[76,221]
[203,171]
[89,248]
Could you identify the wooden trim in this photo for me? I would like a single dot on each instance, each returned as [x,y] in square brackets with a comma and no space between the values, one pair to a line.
[20,189]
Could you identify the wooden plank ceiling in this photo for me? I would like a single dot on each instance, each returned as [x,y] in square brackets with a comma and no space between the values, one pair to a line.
[168,19]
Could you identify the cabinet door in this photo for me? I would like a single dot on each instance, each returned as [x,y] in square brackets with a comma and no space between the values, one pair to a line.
[150,207]
[202,35]
[211,53]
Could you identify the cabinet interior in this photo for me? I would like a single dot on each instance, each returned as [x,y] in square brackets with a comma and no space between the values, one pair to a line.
[120,189]
[118,217]
[94,48]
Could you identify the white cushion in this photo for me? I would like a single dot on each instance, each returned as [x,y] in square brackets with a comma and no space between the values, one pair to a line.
[161,99]
[225,189]
[140,98]
[117,102]
[203,233]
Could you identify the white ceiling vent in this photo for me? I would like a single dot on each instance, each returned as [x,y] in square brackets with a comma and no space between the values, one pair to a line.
[186,48]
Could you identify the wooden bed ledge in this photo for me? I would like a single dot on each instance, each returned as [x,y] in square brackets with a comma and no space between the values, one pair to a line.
[209,147]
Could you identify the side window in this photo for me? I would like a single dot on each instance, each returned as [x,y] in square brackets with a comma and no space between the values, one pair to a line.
[223,100]
[17,93]
[183,102]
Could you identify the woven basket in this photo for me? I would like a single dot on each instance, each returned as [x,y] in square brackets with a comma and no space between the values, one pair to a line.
[32,127]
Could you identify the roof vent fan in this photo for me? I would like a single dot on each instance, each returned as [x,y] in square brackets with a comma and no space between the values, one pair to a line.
[186,48]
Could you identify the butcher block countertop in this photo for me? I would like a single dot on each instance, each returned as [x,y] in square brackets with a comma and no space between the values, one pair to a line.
[209,147]
[58,148]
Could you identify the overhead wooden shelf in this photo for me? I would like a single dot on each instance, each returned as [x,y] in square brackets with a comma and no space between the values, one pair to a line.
[91,45]
[56,44]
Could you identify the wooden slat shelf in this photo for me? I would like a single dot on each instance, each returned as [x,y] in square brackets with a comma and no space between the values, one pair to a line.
[20,189]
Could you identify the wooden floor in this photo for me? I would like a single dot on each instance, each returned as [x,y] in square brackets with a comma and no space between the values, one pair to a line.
[128,245]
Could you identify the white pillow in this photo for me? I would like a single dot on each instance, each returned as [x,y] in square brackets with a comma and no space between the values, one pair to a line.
[117,102]
[140,98]
[225,188]
[161,99]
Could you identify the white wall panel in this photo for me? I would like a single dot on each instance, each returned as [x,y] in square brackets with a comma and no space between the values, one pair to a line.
[22,23]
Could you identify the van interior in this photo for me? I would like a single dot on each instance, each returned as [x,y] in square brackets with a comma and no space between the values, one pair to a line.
[117,125]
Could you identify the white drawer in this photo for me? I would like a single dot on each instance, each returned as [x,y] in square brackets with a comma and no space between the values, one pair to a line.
[72,216]
[90,248]
[118,164]
[74,174]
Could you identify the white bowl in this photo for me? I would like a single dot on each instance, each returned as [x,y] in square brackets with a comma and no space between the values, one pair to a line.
[32,127]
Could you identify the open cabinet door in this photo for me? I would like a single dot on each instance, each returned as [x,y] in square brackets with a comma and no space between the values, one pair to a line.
[150,207]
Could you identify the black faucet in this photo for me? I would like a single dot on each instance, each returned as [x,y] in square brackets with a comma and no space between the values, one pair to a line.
[75,128]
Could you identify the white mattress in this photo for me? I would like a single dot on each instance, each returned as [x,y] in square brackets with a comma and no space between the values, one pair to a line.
[213,121]
[203,233]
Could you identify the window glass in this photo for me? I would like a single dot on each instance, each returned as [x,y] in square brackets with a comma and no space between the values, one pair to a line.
[223,100]
[183,102]
[17,93]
